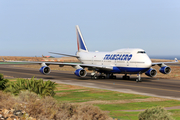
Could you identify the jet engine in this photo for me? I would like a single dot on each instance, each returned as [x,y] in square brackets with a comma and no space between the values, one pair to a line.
[151,72]
[45,70]
[165,70]
[80,72]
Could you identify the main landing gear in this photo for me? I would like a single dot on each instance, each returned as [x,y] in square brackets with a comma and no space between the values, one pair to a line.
[95,76]
[111,76]
[125,77]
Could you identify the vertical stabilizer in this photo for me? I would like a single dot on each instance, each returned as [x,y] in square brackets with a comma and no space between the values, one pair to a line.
[80,41]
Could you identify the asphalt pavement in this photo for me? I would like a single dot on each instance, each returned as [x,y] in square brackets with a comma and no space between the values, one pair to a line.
[165,88]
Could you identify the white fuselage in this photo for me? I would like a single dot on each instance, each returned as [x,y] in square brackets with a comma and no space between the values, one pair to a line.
[127,60]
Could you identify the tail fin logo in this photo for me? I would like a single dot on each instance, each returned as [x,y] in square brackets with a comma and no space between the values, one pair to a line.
[80,41]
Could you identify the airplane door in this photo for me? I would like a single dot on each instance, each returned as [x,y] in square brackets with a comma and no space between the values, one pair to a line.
[102,61]
[92,60]
[127,61]
[115,60]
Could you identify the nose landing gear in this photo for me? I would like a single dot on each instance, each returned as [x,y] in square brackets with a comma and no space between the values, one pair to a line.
[138,78]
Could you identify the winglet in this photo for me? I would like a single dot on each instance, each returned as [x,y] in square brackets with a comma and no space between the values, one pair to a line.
[176,60]
[3,59]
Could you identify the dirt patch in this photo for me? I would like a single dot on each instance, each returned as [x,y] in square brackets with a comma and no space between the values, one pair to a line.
[69,87]
[123,101]
[62,94]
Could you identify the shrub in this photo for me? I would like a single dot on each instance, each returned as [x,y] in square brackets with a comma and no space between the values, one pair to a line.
[47,108]
[3,82]
[155,113]
[6,100]
[40,87]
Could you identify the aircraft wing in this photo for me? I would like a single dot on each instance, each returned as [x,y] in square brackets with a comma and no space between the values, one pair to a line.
[63,64]
[65,54]
[162,63]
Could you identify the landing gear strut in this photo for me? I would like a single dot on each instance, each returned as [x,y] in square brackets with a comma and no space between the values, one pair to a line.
[138,78]
[102,76]
[94,75]
[111,76]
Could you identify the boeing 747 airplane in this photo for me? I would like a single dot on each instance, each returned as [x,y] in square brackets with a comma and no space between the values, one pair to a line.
[106,64]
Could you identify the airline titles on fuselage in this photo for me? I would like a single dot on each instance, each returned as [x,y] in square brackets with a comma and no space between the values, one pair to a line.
[126,57]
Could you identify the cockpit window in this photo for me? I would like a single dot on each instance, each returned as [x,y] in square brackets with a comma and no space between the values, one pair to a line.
[141,52]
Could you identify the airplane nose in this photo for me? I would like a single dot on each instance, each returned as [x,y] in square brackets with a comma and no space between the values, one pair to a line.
[148,62]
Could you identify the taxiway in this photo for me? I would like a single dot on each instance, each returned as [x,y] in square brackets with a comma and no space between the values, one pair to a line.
[165,88]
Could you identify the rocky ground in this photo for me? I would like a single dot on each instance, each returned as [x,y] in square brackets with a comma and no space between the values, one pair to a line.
[13,114]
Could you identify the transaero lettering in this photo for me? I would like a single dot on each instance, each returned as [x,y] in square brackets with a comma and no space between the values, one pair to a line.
[118,57]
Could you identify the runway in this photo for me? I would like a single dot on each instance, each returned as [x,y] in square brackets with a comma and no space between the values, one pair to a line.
[165,88]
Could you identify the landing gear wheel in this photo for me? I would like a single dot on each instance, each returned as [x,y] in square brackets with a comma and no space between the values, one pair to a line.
[125,77]
[94,77]
[112,77]
[103,77]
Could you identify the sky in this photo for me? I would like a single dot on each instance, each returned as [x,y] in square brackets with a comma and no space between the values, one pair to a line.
[36,27]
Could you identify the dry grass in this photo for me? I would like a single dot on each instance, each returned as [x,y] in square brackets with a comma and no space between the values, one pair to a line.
[20,58]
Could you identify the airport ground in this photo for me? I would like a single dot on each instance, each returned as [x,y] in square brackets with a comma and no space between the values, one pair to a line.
[157,86]
[162,88]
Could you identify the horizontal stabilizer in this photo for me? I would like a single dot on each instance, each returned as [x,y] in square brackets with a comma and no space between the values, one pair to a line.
[3,59]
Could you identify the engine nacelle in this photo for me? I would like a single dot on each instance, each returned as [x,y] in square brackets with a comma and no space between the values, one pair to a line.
[151,72]
[165,70]
[45,70]
[80,72]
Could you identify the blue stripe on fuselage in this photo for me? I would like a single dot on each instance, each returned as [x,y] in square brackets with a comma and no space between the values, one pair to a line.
[128,70]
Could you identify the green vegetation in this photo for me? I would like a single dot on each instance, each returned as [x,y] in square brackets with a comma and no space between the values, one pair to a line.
[86,94]
[3,82]
[116,110]
[175,113]
[40,87]
[155,113]
[138,105]
[122,115]
[114,103]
